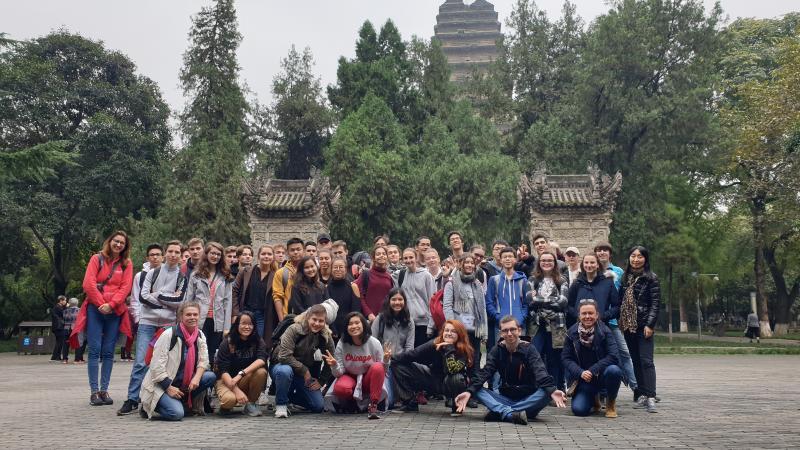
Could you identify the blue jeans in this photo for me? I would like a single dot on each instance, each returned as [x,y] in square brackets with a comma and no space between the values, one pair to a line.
[505,406]
[289,387]
[101,334]
[259,316]
[629,376]
[583,398]
[169,408]
[390,398]
[543,341]
[144,335]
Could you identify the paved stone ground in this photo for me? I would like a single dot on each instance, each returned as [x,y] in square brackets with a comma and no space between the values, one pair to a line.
[738,401]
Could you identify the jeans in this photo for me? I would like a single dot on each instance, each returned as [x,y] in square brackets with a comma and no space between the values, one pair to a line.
[289,387]
[505,406]
[169,408]
[628,374]
[390,398]
[144,334]
[101,334]
[258,314]
[543,341]
[583,398]
[642,356]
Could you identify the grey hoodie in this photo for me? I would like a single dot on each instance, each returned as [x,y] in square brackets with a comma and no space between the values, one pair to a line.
[162,294]
[419,287]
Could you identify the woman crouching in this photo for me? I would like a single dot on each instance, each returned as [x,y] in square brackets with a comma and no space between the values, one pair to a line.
[178,376]
[359,366]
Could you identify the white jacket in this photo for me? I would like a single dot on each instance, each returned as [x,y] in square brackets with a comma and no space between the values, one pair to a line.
[165,364]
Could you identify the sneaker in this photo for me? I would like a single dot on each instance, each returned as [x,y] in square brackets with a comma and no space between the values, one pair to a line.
[409,407]
[372,412]
[650,405]
[263,399]
[658,399]
[129,407]
[640,402]
[251,410]
[472,403]
[421,399]
[493,416]
[281,411]
[95,399]
[105,398]
[519,418]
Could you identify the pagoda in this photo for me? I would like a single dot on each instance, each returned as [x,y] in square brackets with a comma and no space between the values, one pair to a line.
[573,210]
[468,35]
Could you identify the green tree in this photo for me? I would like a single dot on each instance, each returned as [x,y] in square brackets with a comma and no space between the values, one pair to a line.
[299,121]
[368,160]
[100,131]
[204,195]
[642,102]
[763,125]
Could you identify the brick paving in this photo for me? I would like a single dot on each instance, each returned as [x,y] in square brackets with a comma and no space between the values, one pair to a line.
[738,401]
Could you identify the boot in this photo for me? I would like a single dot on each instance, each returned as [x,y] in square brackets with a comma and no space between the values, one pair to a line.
[596,407]
[611,408]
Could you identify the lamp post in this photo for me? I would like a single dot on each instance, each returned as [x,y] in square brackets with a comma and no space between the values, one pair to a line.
[697,289]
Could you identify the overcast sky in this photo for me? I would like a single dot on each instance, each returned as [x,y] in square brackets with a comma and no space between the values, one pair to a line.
[153,33]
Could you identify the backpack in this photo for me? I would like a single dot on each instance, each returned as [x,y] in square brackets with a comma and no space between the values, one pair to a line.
[283,325]
[437,309]
[148,357]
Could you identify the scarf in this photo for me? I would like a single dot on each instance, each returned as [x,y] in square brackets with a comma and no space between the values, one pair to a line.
[460,284]
[191,357]
[627,311]
[586,336]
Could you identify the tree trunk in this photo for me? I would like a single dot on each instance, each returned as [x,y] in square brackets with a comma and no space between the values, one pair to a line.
[784,298]
[59,280]
[758,210]
[669,304]
[682,313]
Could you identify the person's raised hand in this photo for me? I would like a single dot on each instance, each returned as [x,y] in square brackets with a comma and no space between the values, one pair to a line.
[329,359]
[441,344]
[387,353]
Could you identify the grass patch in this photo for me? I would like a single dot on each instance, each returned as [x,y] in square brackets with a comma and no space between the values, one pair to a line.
[692,346]
[794,335]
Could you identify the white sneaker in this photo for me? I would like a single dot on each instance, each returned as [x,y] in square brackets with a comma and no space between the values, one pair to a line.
[263,399]
[281,411]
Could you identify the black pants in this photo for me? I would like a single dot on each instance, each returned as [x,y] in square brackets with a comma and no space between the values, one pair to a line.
[476,354]
[420,335]
[61,347]
[213,338]
[641,351]
[80,351]
[411,377]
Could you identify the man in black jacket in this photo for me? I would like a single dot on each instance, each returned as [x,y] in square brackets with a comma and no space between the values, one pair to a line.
[525,386]
[590,361]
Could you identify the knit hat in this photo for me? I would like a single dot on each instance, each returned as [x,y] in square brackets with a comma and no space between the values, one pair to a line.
[331,309]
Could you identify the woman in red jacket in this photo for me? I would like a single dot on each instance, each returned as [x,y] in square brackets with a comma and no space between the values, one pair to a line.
[107,283]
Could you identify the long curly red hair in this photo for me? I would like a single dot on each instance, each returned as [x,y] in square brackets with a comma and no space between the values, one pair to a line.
[463,347]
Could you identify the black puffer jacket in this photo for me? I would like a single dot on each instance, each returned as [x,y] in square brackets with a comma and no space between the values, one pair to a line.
[647,292]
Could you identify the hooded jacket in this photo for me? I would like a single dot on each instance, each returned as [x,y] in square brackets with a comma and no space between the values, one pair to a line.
[507,298]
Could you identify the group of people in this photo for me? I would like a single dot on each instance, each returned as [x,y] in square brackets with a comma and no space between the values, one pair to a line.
[370,332]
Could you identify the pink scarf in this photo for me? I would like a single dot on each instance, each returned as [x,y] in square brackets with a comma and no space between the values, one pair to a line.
[191,358]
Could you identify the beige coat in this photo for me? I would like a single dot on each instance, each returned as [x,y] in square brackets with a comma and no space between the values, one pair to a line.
[165,364]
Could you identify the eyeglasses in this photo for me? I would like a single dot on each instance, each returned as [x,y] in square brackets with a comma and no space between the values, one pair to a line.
[548,261]
[509,330]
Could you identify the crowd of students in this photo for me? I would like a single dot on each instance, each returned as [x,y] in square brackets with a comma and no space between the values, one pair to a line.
[323,330]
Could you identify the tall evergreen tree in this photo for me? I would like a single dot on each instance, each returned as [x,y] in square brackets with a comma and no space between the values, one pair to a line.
[299,121]
[205,197]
